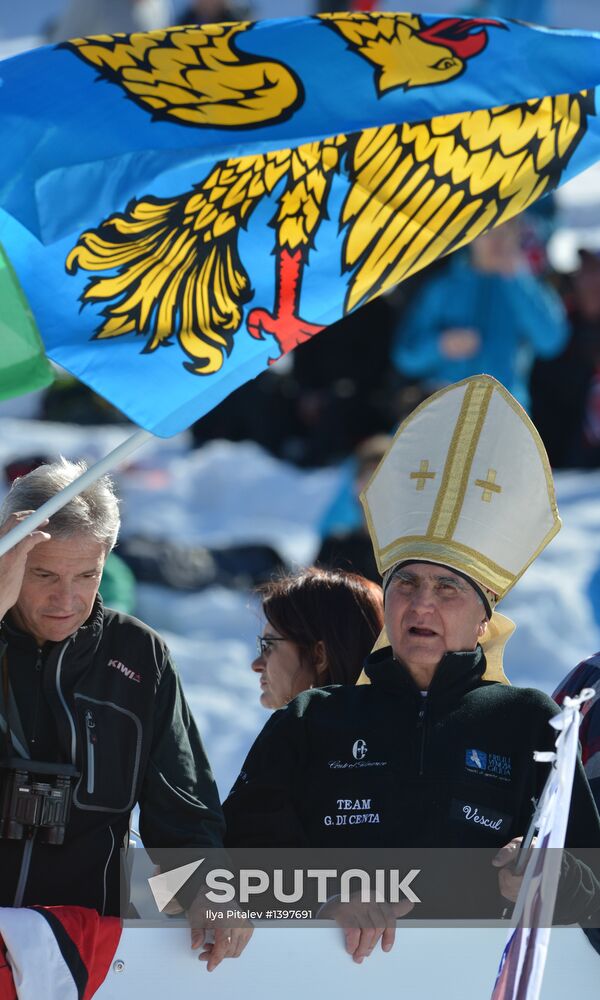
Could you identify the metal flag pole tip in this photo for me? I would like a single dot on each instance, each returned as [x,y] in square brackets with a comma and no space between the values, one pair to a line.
[101,468]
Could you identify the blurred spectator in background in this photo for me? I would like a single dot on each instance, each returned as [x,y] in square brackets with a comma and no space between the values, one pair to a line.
[533,11]
[100,17]
[314,406]
[328,6]
[342,386]
[320,627]
[195,567]
[485,313]
[261,410]
[566,390]
[346,542]
[72,402]
[213,11]
[118,585]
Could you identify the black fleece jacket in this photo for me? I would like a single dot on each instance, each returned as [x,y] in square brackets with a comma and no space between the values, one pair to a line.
[109,700]
[380,765]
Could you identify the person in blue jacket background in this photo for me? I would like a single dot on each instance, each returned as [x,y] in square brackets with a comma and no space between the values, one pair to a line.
[486,312]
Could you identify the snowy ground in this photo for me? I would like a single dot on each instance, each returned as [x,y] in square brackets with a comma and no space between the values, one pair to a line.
[225,493]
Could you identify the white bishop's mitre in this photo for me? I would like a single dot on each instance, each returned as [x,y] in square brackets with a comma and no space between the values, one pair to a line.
[466,482]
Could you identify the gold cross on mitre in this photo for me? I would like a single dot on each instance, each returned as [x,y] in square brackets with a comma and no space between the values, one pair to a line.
[483,447]
[423,474]
[489,485]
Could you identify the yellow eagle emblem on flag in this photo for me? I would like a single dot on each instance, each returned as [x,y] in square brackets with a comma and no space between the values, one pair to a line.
[415,191]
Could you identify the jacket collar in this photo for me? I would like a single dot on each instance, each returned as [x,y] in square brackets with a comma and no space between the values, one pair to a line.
[456,674]
[87,635]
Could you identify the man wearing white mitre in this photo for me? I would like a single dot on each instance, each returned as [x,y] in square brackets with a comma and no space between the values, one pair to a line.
[433,748]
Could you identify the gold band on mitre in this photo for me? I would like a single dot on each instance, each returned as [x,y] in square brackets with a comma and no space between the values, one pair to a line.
[466,483]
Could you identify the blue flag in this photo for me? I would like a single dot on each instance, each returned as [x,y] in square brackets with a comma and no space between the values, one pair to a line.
[185,206]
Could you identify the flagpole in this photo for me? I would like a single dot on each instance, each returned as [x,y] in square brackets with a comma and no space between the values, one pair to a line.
[524,958]
[106,464]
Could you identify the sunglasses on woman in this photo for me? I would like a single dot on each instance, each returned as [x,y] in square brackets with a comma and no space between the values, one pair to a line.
[264,643]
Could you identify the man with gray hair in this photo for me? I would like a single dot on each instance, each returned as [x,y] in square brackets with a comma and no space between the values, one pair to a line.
[91,690]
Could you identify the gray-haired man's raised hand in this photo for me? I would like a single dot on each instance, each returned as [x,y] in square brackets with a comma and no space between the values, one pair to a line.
[12,563]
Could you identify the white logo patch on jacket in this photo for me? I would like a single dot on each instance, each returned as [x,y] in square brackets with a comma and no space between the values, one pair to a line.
[479,816]
[129,674]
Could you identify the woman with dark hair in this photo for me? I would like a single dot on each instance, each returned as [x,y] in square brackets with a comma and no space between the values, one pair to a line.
[320,626]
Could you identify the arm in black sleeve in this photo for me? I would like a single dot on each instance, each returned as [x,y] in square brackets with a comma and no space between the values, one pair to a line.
[179,801]
[260,810]
[579,887]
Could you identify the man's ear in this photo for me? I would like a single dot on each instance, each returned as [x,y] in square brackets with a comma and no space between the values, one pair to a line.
[319,659]
[482,628]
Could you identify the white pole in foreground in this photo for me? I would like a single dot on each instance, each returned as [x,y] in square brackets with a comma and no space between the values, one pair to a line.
[90,476]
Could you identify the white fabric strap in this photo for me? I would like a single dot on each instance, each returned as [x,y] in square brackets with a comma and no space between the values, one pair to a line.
[38,967]
[524,959]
